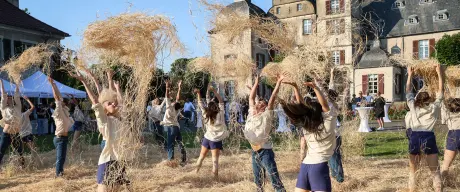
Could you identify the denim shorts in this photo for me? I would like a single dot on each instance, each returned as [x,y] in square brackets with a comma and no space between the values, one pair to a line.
[77,126]
[211,144]
[314,177]
[453,140]
[422,141]
[112,173]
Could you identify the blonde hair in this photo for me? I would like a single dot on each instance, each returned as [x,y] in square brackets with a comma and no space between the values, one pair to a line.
[107,95]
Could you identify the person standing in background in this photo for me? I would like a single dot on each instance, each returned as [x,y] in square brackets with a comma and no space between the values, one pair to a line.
[51,124]
[379,108]
[189,109]
[42,119]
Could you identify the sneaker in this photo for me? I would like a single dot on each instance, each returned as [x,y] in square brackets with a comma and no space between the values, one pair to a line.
[380,129]
[182,164]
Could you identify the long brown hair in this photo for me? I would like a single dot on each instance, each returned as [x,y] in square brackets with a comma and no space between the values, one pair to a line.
[422,99]
[306,115]
[211,112]
[453,105]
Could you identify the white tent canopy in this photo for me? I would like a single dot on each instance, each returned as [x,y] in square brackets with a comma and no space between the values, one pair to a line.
[38,83]
[10,88]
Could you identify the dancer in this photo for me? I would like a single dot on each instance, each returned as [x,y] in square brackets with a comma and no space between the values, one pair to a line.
[421,120]
[26,130]
[172,125]
[257,132]
[451,113]
[79,118]
[155,114]
[318,124]
[63,122]
[11,123]
[216,130]
[111,172]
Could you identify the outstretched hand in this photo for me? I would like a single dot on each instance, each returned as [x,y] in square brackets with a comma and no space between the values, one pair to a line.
[77,75]
[50,79]
[196,91]
[117,85]
[410,70]
[310,84]
[280,77]
[438,68]
[179,83]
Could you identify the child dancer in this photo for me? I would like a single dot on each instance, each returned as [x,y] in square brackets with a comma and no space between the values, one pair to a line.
[172,125]
[156,114]
[421,120]
[79,118]
[216,130]
[257,131]
[451,113]
[26,130]
[63,122]
[11,123]
[318,124]
[111,172]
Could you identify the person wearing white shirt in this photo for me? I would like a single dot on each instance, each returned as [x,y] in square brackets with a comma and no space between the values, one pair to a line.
[318,124]
[216,130]
[155,114]
[26,130]
[257,131]
[420,121]
[111,172]
[451,115]
[79,118]
[11,122]
[171,124]
[63,122]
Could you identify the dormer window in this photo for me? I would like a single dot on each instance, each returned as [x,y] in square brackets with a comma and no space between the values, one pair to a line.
[426,1]
[398,4]
[278,10]
[442,15]
[413,20]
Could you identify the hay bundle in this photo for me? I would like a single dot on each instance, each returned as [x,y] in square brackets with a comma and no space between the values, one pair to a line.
[203,64]
[34,56]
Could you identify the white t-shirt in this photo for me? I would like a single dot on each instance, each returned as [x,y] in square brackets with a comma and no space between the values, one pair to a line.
[109,127]
[62,119]
[155,112]
[11,114]
[78,114]
[218,130]
[26,127]
[321,147]
[171,114]
[258,128]
[451,119]
[423,118]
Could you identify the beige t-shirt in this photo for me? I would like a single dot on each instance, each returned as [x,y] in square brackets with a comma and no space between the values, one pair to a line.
[423,118]
[26,127]
[109,127]
[155,113]
[321,147]
[11,114]
[451,119]
[217,131]
[258,128]
[62,119]
[78,115]
[170,118]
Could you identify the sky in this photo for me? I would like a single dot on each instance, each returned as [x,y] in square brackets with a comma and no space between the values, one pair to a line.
[72,17]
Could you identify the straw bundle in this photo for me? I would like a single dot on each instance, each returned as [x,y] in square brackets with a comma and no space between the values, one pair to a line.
[203,64]
[34,56]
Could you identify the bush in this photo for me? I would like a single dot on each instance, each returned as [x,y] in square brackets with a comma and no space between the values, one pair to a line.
[448,49]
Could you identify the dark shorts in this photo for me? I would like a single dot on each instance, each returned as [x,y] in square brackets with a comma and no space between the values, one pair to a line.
[211,144]
[422,141]
[314,177]
[112,173]
[77,126]
[379,114]
[453,140]
[28,138]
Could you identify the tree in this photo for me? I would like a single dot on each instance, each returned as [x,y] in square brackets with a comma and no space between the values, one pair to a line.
[26,10]
[190,80]
[448,49]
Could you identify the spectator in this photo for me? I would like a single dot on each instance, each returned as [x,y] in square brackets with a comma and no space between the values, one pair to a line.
[189,109]
[42,119]
[51,124]
[369,98]
[379,105]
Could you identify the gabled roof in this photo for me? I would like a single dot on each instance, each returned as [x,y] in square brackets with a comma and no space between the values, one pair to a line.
[246,6]
[13,16]
[395,19]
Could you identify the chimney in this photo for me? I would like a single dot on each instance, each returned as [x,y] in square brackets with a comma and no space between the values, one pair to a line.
[249,1]
[14,2]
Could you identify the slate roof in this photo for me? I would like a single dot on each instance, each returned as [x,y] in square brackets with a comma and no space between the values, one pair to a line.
[13,16]
[374,58]
[395,18]
[247,6]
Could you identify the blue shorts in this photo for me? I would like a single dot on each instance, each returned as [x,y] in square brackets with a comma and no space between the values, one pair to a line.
[422,141]
[77,126]
[211,144]
[314,177]
[453,140]
[112,173]
[28,138]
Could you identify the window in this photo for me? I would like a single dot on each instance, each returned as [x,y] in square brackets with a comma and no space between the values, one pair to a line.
[335,8]
[442,15]
[413,19]
[260,60]
[6,49]
[426,1]
[336,57]
[373,84]
[398,86]
[307,26]
[278,10]
[398,4]
[229,89]
[230,57]
[423,49]
[299,7]
[335,26]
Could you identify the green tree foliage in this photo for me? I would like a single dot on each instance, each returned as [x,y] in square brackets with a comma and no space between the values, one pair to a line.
[190,80]
[448,49]
[26,10]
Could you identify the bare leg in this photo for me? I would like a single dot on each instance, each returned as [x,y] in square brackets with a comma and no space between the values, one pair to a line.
[76,135]
[300,190]
[101,188]
[34,153]
[215,162]
[449,157]
[203,153]
[433,164]
[414,161]
[383,122]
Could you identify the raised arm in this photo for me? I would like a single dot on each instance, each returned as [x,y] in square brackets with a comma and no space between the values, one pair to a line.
[32,106]
[221,100]
[119,94]
[271,102]
[90,93]
[56,93]
[167,89]
[94,79]
[298,97]
[17,96]
[178,90]
[410,71]
[440,79]
[252,95]
[319,95]
[110,79]
[331,81]
[3,87]
[208,93]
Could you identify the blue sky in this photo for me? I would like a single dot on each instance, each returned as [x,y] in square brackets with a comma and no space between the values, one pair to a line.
[73,17]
